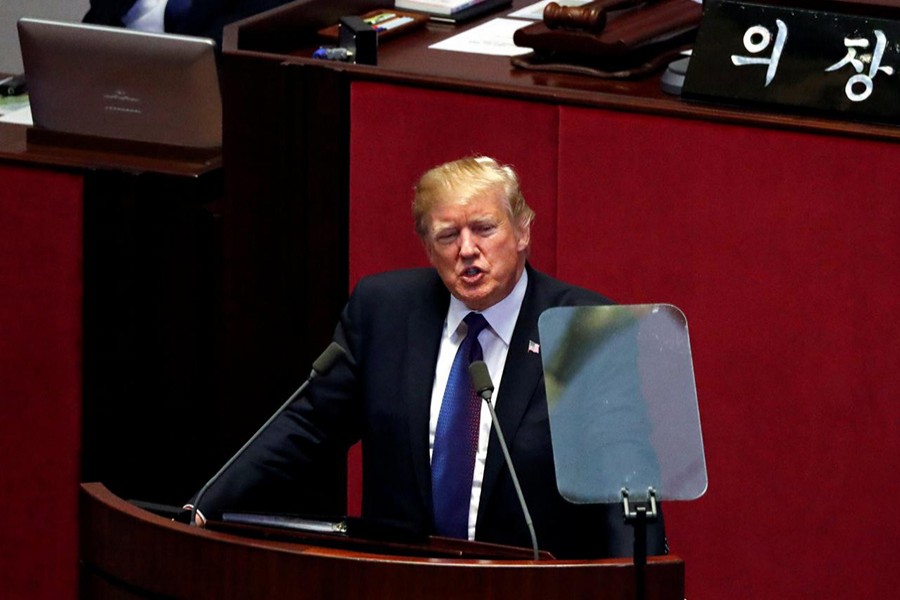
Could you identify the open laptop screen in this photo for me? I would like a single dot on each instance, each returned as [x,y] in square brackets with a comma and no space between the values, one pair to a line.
[117,83]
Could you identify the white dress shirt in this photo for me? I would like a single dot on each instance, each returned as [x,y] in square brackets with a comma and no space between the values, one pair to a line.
[494,342]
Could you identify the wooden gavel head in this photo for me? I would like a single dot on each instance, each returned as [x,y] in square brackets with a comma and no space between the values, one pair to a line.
[588,17]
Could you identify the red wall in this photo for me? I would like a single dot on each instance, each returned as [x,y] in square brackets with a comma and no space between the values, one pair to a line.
[782,249]
[40,382]
[394,140]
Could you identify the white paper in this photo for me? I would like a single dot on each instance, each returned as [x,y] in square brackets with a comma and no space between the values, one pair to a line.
[494,37]
[20,116]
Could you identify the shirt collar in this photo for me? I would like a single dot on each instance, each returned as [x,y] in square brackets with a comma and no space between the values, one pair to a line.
[501,317]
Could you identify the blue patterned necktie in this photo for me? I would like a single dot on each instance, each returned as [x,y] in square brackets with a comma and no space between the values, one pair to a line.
[456,438]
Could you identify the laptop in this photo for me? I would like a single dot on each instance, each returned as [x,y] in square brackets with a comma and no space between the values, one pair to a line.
[117,83]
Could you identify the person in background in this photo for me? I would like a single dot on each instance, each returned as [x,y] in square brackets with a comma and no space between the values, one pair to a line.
[430,458]
[204,18]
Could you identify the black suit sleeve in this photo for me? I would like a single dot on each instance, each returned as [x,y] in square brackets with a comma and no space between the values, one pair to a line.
[208,18]
[285,467]
[107,12]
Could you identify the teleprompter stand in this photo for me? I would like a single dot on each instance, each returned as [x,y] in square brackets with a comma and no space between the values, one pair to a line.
[623,413]
[639,514]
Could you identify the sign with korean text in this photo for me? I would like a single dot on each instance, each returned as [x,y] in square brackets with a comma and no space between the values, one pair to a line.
[844,64]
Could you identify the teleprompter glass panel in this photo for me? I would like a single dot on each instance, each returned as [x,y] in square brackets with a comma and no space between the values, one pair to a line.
[622,403]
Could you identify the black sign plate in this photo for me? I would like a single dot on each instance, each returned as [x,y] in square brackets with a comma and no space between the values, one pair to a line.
[840,63]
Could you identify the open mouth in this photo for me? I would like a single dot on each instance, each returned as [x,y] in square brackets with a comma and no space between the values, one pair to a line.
[471,272]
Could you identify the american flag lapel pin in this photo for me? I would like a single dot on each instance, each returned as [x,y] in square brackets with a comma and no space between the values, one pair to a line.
[534,347]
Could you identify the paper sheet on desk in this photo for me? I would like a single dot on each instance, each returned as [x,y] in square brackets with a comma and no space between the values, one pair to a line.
[21,116]
[15,109]
[494,37]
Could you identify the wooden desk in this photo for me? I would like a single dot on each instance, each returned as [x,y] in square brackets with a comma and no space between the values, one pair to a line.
[16,148]
[129,553]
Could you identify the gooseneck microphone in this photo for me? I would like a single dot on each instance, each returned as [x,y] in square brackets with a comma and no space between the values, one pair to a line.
[484,387]
[320,366]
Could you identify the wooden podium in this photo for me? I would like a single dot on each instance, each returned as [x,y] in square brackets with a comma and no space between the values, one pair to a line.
[129,553]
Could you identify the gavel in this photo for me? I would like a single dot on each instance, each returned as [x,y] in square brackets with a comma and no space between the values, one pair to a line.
[589,17]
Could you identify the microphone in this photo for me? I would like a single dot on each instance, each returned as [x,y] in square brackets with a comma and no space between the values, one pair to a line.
[484,387]
[320,366]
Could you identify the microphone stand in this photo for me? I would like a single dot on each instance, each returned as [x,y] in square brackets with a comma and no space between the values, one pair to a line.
[481,379]
[320,366]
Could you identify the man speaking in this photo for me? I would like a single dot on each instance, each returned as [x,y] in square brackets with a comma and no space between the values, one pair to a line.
[430,459]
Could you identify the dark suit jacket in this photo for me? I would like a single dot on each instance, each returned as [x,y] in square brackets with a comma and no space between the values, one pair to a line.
[381,394]
[205,18]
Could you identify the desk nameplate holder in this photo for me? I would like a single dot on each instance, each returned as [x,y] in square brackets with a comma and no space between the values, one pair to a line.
[839,60]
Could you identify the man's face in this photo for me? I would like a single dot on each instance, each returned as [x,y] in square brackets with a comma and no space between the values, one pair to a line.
[478,252]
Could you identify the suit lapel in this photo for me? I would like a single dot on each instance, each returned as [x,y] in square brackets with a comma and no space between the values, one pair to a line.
[522,374]
[425,326]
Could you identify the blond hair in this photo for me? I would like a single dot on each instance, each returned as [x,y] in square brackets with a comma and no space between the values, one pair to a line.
[459,181]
